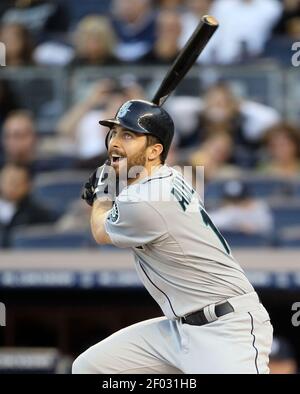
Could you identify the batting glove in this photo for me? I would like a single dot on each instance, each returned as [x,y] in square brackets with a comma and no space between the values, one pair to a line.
[102,184]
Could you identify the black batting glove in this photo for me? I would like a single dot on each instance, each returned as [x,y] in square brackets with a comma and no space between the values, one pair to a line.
[88,193]
[102,184]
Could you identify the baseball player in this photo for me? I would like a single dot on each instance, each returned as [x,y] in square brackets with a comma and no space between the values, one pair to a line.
[213,320]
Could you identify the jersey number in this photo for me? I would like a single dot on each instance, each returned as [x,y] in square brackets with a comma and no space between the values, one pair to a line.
[208,222]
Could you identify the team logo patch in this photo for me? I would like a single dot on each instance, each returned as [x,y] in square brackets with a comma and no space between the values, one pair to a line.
[123,110]
[114,214]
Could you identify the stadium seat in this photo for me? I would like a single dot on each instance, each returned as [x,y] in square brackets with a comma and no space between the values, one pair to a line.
[213,190]
[57,190]
[289,236]
[258,186]
[47,237]
[289,243]
[286,214]
[236,239]
[297,189]
[268,187]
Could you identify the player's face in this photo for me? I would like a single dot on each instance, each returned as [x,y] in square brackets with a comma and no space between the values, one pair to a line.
[126,149]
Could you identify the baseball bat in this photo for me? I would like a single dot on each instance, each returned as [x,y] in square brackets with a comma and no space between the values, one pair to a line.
[186,58]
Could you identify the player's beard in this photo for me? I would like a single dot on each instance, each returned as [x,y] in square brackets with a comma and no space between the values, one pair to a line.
[138,160]
[131,168]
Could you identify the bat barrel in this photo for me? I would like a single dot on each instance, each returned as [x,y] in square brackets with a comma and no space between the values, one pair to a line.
[210,20]
[187,57]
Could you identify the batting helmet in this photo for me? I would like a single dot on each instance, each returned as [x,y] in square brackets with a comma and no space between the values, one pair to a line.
[144,117]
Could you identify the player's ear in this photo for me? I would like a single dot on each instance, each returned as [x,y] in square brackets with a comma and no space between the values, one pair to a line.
[154,151]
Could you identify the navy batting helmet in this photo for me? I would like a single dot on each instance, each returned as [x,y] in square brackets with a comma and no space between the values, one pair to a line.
[144,117]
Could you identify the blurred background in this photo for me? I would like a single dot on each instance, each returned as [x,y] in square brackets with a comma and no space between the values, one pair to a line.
[70,63]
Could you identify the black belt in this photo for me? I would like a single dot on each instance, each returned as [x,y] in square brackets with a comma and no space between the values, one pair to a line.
[198,318]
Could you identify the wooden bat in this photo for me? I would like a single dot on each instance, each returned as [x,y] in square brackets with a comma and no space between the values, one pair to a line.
[186,58]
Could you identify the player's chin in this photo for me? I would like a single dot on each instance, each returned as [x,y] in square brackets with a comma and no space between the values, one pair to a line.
[120,165]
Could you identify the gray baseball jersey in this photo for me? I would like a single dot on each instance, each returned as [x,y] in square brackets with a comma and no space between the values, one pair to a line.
[181,257]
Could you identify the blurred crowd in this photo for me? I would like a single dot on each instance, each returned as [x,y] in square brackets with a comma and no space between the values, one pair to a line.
[73,33]
[236,139]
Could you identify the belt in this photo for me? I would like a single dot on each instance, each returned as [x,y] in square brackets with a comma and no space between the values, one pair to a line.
[199,318]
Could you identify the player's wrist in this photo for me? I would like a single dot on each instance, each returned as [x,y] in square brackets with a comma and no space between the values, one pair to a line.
[103,204]
[103,197]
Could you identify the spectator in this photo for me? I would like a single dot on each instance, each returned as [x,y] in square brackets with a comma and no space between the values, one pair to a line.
[53,53]
[282,357]
[20,145]
[43,18]
[80,125]
[134,22]
[94,42]
[18,44]
[283,149]
[195,9]
[16,205]
[214,155]
[221,111]
[169,4]
[166,47]
[8,101]
[245,27]
[4,6]
[289,23]
[241,213]
[19,138]
[285,33]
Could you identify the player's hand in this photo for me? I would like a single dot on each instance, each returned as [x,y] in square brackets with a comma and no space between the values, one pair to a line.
[102,184]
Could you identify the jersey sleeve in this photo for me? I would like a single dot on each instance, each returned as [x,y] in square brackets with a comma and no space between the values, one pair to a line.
[134,223]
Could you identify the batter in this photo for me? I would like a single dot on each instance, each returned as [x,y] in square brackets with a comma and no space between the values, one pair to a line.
[213,320]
